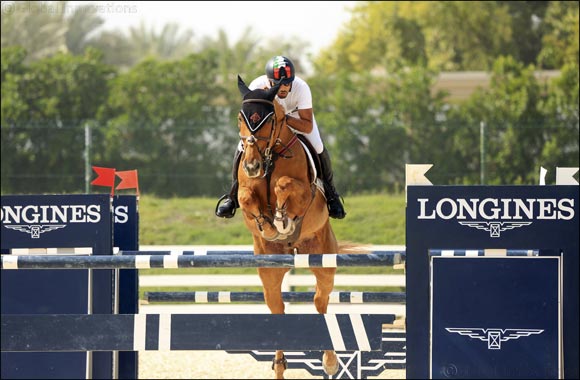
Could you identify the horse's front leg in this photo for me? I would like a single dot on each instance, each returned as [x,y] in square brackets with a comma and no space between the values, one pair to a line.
[292,199]
[250,205]
[324,286]
[272,282]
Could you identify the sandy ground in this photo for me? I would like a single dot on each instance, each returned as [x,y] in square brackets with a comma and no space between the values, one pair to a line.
[220,364]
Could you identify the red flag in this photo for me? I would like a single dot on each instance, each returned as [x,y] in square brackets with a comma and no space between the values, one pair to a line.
[106,177]
[129,180]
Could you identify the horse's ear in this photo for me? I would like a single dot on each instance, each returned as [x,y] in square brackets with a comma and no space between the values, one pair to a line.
[272,92]
[242,86]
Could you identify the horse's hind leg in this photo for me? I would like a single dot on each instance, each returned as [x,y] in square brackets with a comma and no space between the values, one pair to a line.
[324,286]
[272,284]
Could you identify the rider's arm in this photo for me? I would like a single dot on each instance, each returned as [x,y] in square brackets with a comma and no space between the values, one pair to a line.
[304,123]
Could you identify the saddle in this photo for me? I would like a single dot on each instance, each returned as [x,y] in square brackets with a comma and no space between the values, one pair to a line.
[315,161]
[314,156]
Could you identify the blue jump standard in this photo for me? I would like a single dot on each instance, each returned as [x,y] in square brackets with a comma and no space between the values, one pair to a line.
[154,332]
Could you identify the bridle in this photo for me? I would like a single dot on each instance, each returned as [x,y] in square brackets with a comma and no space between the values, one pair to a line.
[269,155]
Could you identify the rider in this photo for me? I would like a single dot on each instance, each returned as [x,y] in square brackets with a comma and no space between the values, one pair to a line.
[294,94]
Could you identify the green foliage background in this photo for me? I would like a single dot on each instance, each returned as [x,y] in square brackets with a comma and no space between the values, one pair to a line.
[166,103]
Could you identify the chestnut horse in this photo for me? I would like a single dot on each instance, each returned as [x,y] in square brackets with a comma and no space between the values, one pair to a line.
[281,204]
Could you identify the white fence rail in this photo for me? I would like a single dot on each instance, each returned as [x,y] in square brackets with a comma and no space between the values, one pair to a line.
[290,281]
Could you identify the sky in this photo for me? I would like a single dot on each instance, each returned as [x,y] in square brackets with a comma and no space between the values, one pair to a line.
[316,22]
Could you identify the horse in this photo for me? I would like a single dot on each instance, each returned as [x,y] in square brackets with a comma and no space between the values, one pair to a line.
[281,204]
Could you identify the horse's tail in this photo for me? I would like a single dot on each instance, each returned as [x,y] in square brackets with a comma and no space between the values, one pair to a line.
[350,248]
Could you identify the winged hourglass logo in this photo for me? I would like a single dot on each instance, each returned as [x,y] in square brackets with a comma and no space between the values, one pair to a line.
[36,229]
[493,337]
[495,228]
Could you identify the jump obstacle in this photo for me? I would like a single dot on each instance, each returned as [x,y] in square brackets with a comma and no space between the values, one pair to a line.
[229,297]
[172,261]
[461,303]
[148,260]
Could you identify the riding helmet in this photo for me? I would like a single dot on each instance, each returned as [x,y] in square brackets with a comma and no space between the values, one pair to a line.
[280,69]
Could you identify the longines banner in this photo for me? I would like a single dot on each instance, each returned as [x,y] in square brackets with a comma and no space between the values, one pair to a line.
[57,224]
[52,221]
[492,318]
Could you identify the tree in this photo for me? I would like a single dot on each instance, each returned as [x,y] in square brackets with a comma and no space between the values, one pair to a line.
[169,43]
[560,38]
[81,26]
[31,25]
[379,35]
[527,18]
[373,124]
[515,131]
[387,35]
[162,118]
[562,120]
[45,106]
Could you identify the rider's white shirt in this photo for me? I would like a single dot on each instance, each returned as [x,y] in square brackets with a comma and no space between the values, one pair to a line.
[299,98]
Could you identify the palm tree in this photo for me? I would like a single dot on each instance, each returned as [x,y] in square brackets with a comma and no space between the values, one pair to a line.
[31,25]
[80,25]
[168,44]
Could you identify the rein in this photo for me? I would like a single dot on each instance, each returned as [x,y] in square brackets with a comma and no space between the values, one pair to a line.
[270,155]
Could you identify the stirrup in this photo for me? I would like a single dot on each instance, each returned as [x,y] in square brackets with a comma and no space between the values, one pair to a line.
[225,196]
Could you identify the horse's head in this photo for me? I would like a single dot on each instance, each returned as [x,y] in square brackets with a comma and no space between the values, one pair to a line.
[257,122]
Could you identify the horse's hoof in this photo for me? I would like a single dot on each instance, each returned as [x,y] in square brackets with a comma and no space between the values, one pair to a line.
[285,228]
[269,232]
[279,370]
[330,368]
[270,237]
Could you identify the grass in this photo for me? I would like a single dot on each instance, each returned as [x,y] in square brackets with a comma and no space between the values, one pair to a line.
[371,219]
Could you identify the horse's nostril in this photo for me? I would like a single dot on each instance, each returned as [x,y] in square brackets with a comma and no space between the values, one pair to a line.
[252,168]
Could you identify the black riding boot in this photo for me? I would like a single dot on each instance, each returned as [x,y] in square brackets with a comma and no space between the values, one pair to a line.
[335,209]
[228,208]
